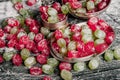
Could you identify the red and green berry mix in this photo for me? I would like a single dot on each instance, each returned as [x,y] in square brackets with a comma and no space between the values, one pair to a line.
[53,13]
[83,40]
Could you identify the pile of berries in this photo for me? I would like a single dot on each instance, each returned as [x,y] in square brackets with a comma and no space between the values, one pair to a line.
[23,40]
[83,40]
[86,6]
[54,13]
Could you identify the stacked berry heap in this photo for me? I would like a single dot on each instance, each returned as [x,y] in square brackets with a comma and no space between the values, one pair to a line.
[24,42]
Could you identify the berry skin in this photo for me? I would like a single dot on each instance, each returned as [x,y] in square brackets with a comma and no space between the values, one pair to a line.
[13,22]
[109,37]
[46,78]
[1,59]
[65,65]
[42,45]
[75,28]
[12,43]
[43,9]
[89,47]
[75,5]
[24,39]
[30,45]
[41,59]
[17,59]
[7,29]
[38,37]
[102,5]
[35,71]
[2,43]
[57,6]
[19,46]
[58,34]
[73,54]
[31,2]
[1,32]
[56,47]
[46,52]
[34,28]
[18,6]
[101,47]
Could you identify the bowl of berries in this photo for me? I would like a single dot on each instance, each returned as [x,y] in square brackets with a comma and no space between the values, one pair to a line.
[83,41]
[54,16]
[87,8]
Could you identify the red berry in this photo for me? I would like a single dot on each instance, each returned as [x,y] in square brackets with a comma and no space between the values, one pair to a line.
[34,29]
[17,59]
[65,65]
[35,71]
[13,22]
[38,37]
[43,9]
[102,5]
[18,6]
[46,52]
[12,43]
[89,47]
[61,16]
[55,46]
[42,59]
[46,78]
[35,50]
[101,47]
[1,59]
[75,5]
[58,34]
[92,21]
[30,21]
[30,45]
[19,46]
[24,39]
[80,46]
[73,54]
[75,28]
[57,6]
[109,37]
[103,24]
[76,36]
[83,54]
[31,2]
[44,16]
[11,36]
[42,45]
[7,29]
[1,32]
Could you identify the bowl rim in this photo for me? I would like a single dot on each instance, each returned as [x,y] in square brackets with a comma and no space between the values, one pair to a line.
[86,14]
[81,59]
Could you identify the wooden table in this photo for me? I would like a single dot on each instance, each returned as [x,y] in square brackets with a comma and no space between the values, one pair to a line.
[106,70]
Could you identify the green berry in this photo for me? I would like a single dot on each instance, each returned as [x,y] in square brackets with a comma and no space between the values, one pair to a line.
[15,1]
[66,75]
[25,53]
[8,56]
[45,31]
[29,62]
[108,55]
[53,19]
[81,10]
[47,69]
[80,66]
[100,34]
[53,62]
[93,63]
[61,42]
[72,45]
[90,5]
[31,35]
[14,30]
[117,53]
[52,12]
[64,9]
[99,41]
[87,38]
